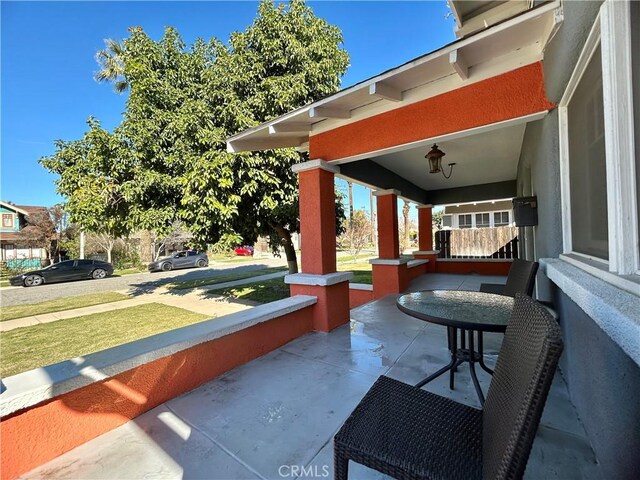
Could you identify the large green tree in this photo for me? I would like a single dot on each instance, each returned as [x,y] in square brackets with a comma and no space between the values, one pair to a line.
[167,160]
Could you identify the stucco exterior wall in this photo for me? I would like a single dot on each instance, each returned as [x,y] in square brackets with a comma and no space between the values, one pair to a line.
[604,382]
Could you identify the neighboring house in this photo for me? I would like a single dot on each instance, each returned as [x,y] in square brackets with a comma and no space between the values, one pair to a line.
[14,219]
[478,215]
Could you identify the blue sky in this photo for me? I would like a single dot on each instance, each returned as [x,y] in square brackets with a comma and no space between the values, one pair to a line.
[48,50]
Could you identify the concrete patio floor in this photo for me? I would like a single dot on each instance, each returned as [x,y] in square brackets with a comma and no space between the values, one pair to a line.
[275,417]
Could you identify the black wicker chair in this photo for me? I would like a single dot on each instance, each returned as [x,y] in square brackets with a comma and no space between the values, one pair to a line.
[406,432]
[521,279]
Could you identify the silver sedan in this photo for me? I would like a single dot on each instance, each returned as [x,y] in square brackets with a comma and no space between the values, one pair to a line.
[184,259]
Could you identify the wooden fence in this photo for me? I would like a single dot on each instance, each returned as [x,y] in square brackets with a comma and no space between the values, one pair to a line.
[497,242]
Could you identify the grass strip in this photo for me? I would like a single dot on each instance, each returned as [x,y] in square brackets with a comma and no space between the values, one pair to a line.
[199,282]
[40,345]
[59,304]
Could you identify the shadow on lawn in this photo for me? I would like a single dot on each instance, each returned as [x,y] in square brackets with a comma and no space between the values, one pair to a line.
[145,287]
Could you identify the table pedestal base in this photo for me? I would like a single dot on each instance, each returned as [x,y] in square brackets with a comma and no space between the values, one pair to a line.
[460,356]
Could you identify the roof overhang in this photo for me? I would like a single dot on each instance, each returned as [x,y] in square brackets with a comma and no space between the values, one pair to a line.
[514,42]
[14,208]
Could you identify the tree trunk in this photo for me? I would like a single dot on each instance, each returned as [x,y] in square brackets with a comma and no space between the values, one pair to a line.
[289,250]
[109,248]
[350,201]
[405,214]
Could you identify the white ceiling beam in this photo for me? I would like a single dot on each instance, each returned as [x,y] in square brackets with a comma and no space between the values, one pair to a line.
[458,64]
[297,127]
[383,90]
[327,112]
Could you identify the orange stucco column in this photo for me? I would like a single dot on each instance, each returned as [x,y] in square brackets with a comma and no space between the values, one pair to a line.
[389,270]
[425,227]
[317,216]
[425,237]
[318,235]
[387,206]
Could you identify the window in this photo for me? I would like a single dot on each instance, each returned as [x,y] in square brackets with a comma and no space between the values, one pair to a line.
[482,220]
[500,219]
[7,220]
[84,263]
[464,221]
[192,253]
[447,221]
[587,163]
[598,165]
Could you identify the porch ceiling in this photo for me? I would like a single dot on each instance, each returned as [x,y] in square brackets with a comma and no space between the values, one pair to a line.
[485,158]
[486,168]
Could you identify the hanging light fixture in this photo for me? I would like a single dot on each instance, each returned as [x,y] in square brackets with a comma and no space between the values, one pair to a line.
[435,161]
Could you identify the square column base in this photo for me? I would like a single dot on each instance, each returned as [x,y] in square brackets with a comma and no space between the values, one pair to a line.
[332,292]
[389,277]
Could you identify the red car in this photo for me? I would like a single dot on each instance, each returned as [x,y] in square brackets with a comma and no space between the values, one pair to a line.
[244,251]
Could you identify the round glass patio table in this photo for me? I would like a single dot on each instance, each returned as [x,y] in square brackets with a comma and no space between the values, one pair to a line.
[469,312]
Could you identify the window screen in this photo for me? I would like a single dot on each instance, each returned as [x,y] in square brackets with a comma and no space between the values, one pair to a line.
[587,174]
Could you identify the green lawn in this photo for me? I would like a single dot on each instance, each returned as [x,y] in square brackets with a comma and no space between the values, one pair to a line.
[32,347]
[4,283]
[60,304]
[221,258]
[224,278]
[361,271]
[264,292]
[351,258]
[129,271]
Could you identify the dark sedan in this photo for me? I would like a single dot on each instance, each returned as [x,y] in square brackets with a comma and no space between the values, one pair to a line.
[184,259]
[64,271]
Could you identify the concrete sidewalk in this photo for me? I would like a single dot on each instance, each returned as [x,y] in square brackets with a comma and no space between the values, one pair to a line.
[195,300]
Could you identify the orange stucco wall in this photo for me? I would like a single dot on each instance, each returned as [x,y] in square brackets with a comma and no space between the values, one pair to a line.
[359,297]
[425,229]
[469,266]
[38,434]
[389,279]
[415,272]
[432,257]
[317,221]
[332,308]
[510,95]
[388,240]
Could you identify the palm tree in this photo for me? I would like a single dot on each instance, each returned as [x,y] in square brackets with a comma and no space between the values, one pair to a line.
[111,61]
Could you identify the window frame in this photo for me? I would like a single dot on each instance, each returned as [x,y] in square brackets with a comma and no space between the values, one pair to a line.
[11,217]
[612,32]
[471,218]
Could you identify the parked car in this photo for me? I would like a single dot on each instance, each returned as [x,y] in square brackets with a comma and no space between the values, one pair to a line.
[64,271]
[184,259]
[244,251]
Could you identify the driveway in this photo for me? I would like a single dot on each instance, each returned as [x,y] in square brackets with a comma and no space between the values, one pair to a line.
[136,284]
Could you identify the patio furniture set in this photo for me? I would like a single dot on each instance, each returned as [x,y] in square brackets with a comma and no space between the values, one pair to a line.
[406,432]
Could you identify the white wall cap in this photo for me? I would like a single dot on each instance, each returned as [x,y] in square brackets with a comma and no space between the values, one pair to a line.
[389,261]
[315,164]
[391,191]
[319,280]
[614,310]
[415,263]
[426,252]
[30,388]
[361,286]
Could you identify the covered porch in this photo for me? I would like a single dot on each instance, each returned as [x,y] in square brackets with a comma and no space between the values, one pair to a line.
[275,417]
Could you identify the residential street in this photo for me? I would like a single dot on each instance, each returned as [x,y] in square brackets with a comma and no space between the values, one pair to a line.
[135,284]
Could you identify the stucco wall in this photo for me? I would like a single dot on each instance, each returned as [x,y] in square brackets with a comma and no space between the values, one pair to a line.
[603,381]
[605,388]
